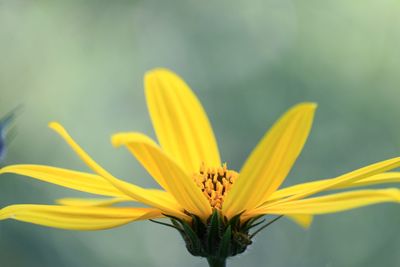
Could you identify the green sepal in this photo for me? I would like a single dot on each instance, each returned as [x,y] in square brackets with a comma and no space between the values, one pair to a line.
[178,226]
[217,238]
[252,223]
[213,232]
[194,243]
[225,244]
[235,221]
[240,241]
[180,230]
[198,227]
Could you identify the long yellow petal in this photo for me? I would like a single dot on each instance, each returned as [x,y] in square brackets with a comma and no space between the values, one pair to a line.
[77,218]
[81,181]
[167,205]
[382,178]
[166,172]
[345,179]
[91,202]
[332,203]
[137,144]
[179,120]
[270,162]
[304,220]
[85,182]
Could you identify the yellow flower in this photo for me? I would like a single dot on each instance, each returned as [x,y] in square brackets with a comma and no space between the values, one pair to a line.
[197,188]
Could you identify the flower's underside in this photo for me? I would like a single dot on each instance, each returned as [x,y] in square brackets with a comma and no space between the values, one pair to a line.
[194,183]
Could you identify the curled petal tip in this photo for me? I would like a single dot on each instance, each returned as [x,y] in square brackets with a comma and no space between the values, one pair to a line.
[397,194]
[310,105]
[159,70]
[124,138]
[116,140]
[54,125]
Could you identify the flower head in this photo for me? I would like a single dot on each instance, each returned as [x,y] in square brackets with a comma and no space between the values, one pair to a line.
[213,207]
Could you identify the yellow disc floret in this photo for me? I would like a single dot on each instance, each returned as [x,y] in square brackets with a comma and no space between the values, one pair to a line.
[215,183]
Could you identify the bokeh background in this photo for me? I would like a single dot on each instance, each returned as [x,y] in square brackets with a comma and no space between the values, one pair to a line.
[82,63]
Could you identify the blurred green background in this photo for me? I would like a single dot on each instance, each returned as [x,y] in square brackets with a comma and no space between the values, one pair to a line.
[82,63]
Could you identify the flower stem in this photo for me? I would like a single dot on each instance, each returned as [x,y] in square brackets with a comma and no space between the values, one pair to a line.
[216,262]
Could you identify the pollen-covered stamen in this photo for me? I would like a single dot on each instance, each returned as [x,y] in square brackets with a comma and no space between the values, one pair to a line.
[215,183]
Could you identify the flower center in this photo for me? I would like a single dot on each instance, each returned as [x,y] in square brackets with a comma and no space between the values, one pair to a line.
[215,183]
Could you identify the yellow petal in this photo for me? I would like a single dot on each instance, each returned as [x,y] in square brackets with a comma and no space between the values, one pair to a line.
[304,220]
[166,172]
[332,203]
[77,218]
[167,204]
[81,181]
[345,179]
[270,162]
[85,182]
[381,178]
[179,120]
[137,144]
[91,202]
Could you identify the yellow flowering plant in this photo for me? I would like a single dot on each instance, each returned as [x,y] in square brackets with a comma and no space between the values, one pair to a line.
[216,210]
